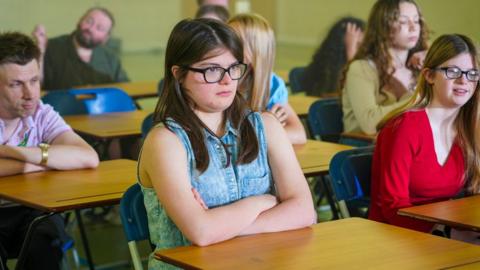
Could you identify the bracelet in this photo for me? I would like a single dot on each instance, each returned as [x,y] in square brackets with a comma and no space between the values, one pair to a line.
[44,150]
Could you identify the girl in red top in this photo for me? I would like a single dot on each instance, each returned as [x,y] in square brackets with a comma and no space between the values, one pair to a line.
[426,150]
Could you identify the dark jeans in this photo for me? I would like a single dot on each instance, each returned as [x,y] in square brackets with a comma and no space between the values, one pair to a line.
[45,247]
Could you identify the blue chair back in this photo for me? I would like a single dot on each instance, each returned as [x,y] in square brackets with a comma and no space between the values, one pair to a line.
[94,101]
[295,77]
[147,124]
[134,221]
[65,103]
[160,87]
[325,119]
[350,173]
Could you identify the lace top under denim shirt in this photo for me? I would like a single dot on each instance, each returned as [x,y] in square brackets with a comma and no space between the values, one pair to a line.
[218,185]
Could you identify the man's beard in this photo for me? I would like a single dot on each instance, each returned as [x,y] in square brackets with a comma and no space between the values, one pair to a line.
[83,42]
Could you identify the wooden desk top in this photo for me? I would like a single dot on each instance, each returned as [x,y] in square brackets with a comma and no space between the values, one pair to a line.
[300,104]
[343,244]
[467,266]
[315,156]
[134,89]
[56,191]
[110,125]
[461,213]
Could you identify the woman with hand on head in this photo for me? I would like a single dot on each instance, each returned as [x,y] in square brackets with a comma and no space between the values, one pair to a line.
[322,75]
[428,150]
[211,169]
[264,90]
[378,80]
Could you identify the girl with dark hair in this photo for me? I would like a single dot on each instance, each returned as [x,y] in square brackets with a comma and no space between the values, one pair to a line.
[322,75]
[428,150]
[379,80]
[211,169]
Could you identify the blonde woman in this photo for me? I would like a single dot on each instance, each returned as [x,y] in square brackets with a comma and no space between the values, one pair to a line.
[428,150]
[264,90]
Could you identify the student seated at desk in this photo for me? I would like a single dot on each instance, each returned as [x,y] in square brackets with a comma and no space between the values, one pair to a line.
[379,79]
[427,150]
[215,170]
[264,90]
[322,75]
[33,137]
[80,58]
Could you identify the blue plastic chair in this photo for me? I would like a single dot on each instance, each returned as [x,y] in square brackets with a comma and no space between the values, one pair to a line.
[89,101]
[325,123]
[134,221]
[160,87]
[147,124]
[295,79]
[350,173]
[325,119]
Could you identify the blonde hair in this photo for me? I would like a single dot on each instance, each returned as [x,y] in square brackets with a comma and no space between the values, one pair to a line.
[259,47]
[467,121]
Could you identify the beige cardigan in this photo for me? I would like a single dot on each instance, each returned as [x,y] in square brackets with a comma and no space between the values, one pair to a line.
[363,105]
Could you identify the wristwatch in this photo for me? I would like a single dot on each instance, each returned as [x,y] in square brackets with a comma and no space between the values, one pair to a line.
[44,148]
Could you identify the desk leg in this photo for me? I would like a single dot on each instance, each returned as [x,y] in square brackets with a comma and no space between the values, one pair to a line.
[86,246]
[28,238]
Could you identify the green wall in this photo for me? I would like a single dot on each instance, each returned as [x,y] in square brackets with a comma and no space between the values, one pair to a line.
[145,24]
[307,21]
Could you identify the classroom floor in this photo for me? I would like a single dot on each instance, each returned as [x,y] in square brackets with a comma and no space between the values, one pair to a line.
[106,237]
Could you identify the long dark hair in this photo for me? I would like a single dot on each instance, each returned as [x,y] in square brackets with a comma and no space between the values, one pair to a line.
[322,75]
[189,42]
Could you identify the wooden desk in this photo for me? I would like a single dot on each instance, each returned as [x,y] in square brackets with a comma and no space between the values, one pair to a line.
[56,191]
[460,213]
[467,266]
[315,156]
[108,126]
[301,104]
[133,89]
[342,244]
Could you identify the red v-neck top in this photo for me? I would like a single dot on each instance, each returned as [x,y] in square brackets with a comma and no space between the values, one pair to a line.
[405,170]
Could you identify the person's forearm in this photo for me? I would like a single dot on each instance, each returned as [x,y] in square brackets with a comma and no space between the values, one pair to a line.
[296,134]
[288,215]
[294,127]
[226,222]
[60,157]
[12,167]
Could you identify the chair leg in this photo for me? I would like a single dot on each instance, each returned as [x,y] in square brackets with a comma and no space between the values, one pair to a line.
[328,193]
[136,260]
[28,237]
[343,209]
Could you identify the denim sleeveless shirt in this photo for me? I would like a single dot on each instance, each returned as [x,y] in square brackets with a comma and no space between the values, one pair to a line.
[218,185]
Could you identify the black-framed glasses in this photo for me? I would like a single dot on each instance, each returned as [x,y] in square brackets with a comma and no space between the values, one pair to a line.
[455,73]
[215,74]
